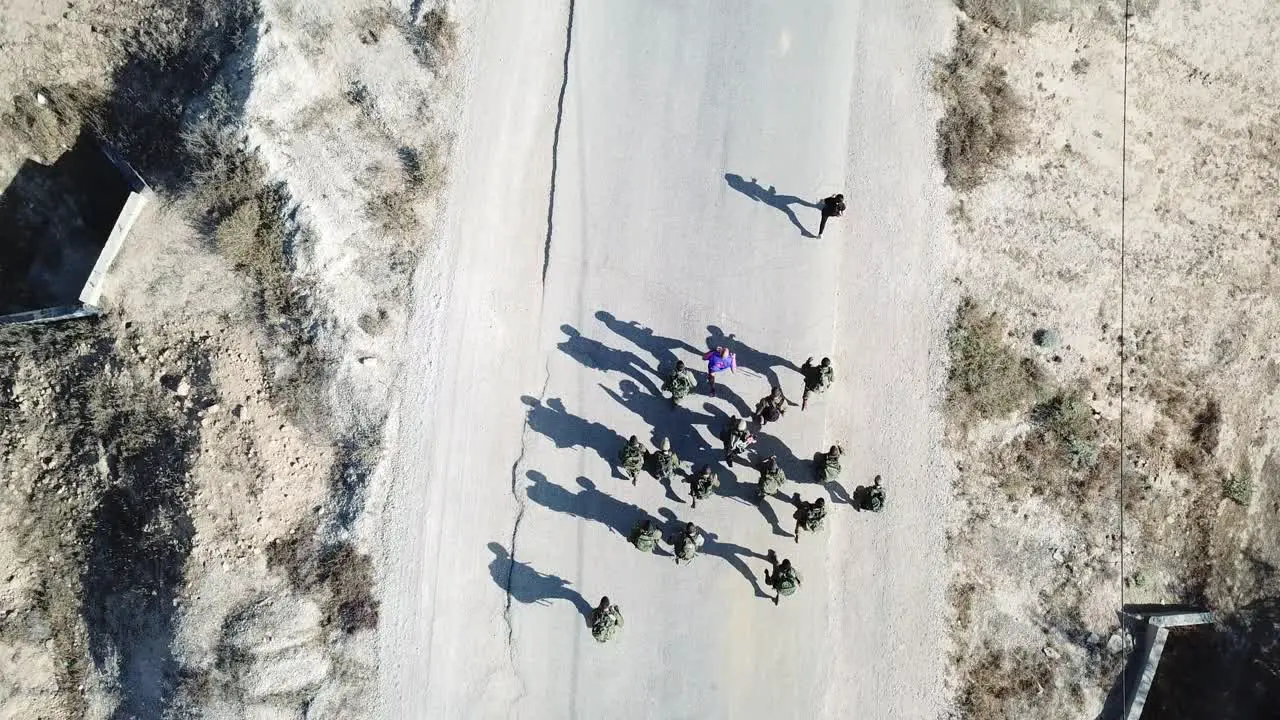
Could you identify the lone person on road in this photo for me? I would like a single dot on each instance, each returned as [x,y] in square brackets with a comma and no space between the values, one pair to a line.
[817,378]
[831,207]
[784,579]
[719,360]
[606,620]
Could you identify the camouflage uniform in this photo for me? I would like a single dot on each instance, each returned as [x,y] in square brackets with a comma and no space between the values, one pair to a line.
[736,440]
[809,516]
[680,383]
[631,458]
[784,579]
[646,537]
[875,497]
[702,485]
[606,620]
[665,464]
[771,477]
[829,463]
[687,543]
[817,378]
[771,407]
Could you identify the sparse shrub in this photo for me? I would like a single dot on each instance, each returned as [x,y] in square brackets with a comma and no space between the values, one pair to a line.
[1238,488]
[434,38]
[1006,683]
[979,126]
[1068,419]
[987,378]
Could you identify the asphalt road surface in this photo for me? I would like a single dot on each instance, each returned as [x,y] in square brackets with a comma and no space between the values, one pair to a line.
[636,182]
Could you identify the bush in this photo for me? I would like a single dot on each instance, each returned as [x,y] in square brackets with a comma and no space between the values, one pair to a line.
[1238,488]
[978,127]
[987,378]
[1068,419]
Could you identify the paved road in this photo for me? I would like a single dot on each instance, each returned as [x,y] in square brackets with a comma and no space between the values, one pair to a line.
[694,140]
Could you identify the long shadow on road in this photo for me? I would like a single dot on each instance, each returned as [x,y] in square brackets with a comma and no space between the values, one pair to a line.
[678,423]
[567,430]
[770,197]
[663,349]
[729,552]
[528,586]
[589,503]
[595,354]
[750,358]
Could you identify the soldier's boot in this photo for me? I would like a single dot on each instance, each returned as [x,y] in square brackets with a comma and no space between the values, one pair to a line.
[777,595]
[804,400]
[728,458]
[797,533]
[694,498]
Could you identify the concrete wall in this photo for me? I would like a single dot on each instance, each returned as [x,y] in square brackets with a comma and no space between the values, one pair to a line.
[1157,634]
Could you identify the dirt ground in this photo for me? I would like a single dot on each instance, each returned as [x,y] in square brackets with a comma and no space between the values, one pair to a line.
[183,477]
[1113,430]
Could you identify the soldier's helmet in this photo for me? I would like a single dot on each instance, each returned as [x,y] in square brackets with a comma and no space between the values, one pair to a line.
[784,565]
[679,365]
[634,440]
[826,362]
[666,443]
[836,450]
[604,602]
[648,525]
[772,461]
[706,470]
[876,481]
[821,502]
[690,529]
[739,422]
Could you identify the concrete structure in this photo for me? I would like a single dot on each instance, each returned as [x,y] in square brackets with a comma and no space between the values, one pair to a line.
[91,292]
[1144,664]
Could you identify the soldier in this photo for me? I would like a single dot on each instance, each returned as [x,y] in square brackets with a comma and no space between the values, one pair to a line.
[687,543]
[606,620]
[784,579]
[771,476]
[771,407]
[831,207]
[829,463]
[703,485]
[874,499]
[680,383]
[817,378]
[646,536]
[809,516]
[631,458]
[719,360]
[665,461]
[736,440]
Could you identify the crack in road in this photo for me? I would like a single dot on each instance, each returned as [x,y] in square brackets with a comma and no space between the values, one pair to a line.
[555,146]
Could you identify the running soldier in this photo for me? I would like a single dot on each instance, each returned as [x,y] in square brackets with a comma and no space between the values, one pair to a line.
[817,378]
[631,458]
[771,477]
[606,620]
[719,360]
[646,536]
[771,407]
[784,579]
[680,383]
[829,464]
[687,543]
[664,462]
[809,516]
[703,485]
[831,207]
[736,439]
[874,499]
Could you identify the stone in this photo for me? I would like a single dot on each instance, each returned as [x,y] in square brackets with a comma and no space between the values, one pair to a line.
[183,389]
[1051,653]
[1115,644]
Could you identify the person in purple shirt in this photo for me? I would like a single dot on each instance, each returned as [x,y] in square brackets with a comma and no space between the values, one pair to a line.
[719,360]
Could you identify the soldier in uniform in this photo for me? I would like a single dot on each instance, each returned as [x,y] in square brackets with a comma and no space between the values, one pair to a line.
[687,543]
[831,207]
[680,383]
[606,620]
[631,458]
[703,485]
[646,536]
[784,579]
[809,516]
[665,461]
[817,378]
[771,476]
[874,499]
[829,463]
[771,407]
[736,439]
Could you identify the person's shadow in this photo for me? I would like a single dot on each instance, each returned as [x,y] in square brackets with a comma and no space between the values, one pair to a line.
[595,354]
[729,552]
[748,357]
[678,423]
[567,430]
[588,503]
[528,586]
[663,349]
[770,197]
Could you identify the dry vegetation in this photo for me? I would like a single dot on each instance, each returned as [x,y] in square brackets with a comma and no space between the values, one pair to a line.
[1041,376]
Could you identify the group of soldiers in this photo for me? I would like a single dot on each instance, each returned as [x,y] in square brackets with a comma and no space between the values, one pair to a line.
[737,438]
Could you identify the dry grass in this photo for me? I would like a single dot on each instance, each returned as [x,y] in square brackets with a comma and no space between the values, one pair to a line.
[1007,684]
[987,379]
[342,578]
[434,38]
[979,125]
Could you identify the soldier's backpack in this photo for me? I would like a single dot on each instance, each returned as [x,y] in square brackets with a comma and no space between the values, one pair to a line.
[829,468]
[786,584]
[603,627]
[643,540]
[686,547]
[814,518]
[826,375]
[875,500]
